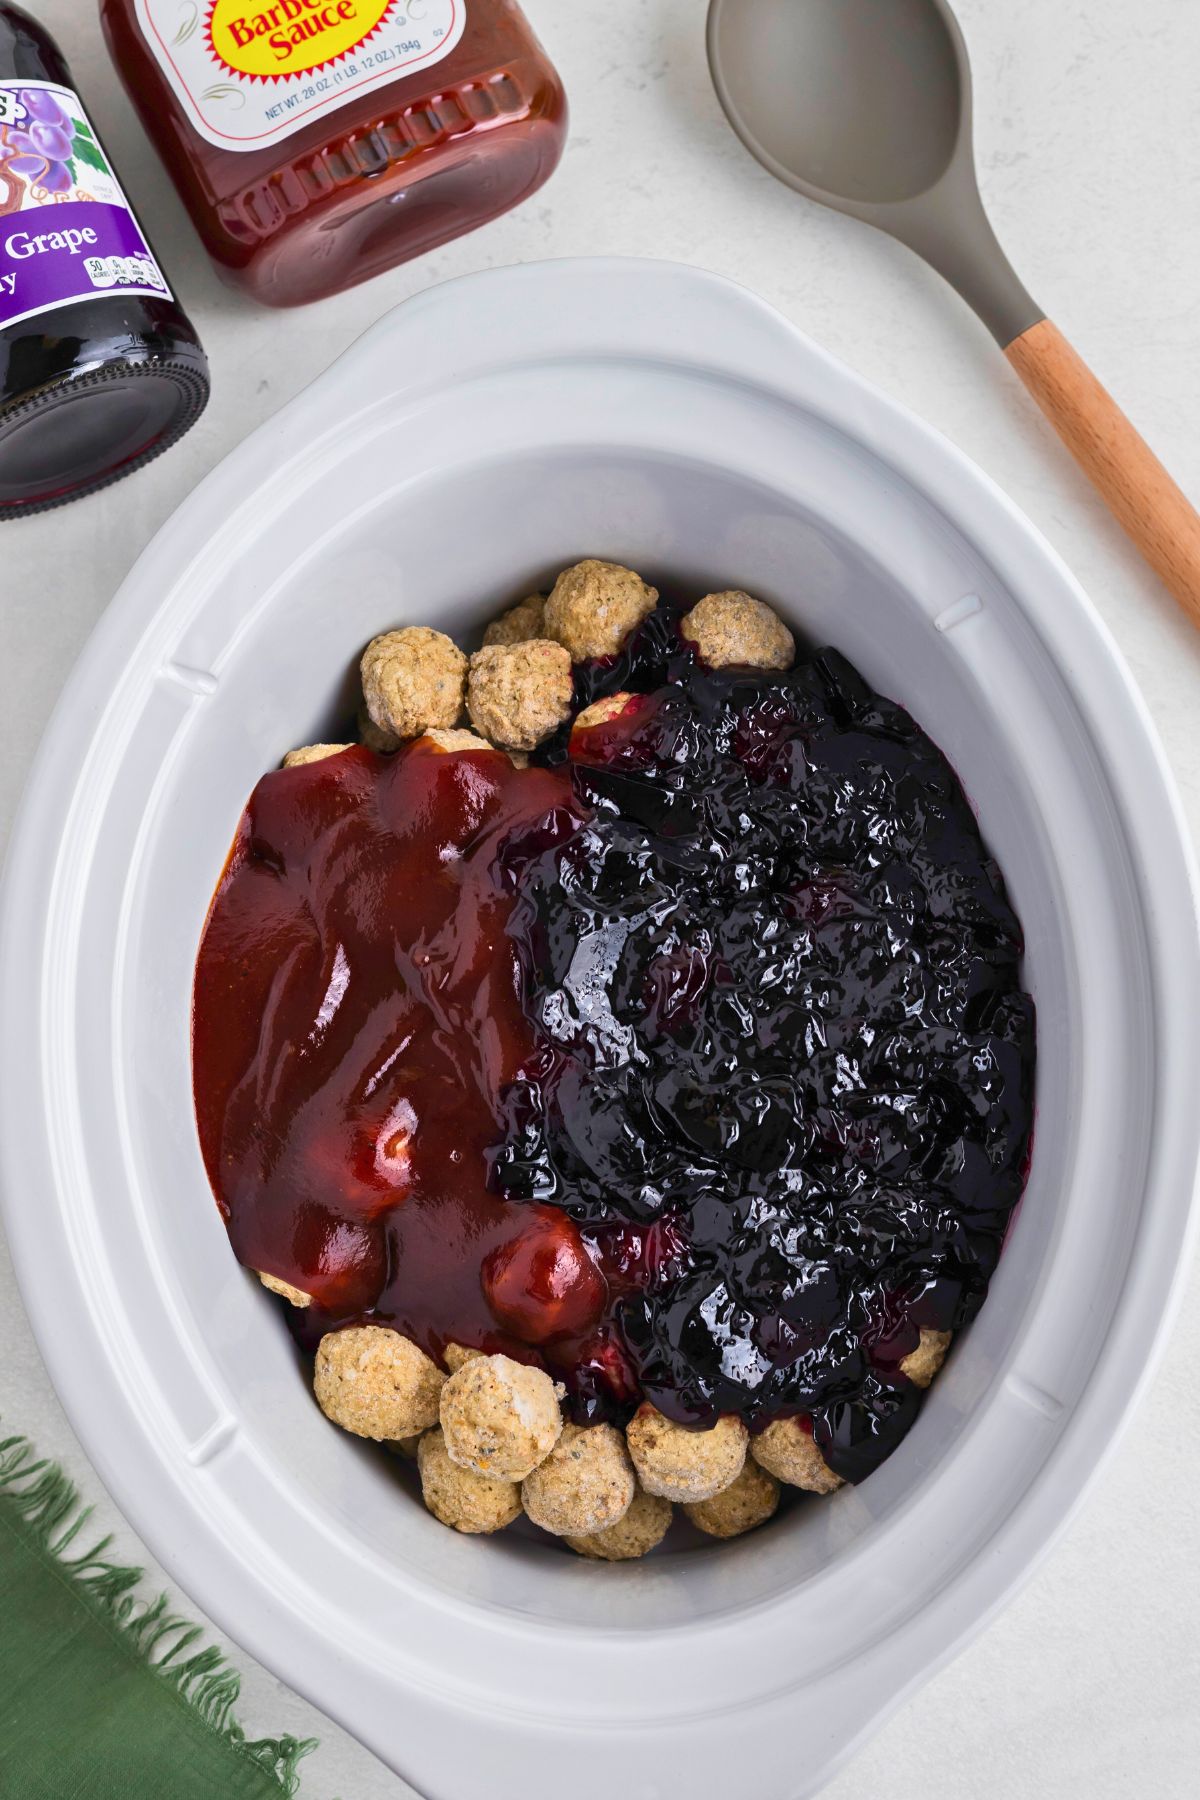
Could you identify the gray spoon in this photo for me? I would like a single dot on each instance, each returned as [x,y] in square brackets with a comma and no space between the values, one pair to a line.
[865,105]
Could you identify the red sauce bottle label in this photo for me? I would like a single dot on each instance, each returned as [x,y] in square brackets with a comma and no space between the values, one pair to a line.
[250,72]
[66,229]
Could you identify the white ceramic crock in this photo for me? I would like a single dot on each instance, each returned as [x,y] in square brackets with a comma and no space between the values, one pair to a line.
[475,441]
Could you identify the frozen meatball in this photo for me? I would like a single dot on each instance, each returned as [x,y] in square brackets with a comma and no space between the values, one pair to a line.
[685,1465]
[295,1295]
[585,1484]
[923,1363]
[525,620]
[519,694]
[595,606]
[373,735]
[413,681]
[787,1451]
[733,628]
[745,1503]
[447,741]
[458,1497]
[641,1530]
[295,759]
[375,1383]
[600,712]
[500,1417]
[455,1355]
[458,740]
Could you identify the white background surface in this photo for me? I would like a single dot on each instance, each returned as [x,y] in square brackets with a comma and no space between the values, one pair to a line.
[1089,151]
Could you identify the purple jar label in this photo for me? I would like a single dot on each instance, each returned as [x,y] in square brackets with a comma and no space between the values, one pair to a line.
[66,230]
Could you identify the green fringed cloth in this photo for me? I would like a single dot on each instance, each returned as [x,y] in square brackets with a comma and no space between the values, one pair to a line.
[104,1695]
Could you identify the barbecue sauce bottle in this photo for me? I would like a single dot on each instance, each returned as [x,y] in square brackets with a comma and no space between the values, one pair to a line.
[318,142]
[99,367]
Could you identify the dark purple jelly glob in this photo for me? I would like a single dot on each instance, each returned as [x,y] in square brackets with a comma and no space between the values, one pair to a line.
[775,981]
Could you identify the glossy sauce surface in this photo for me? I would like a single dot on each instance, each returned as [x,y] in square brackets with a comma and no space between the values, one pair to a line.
[692,1061]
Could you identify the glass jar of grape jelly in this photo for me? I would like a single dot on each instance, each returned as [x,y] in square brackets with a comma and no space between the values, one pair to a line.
[318,142]
[99,367]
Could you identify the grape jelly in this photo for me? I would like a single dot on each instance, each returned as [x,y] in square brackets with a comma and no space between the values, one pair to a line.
[100,369]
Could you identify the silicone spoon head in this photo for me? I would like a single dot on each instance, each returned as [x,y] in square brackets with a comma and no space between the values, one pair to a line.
[865,105]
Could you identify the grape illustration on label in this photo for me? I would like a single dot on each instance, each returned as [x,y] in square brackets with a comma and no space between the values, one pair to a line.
[66,229]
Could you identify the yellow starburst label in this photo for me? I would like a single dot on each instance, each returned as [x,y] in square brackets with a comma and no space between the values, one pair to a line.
[269,42]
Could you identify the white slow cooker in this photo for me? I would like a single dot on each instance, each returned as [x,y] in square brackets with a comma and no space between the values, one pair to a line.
[474,442]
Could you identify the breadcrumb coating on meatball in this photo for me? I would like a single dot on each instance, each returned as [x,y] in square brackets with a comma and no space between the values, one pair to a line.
[500,1417]
[519,694]
[295,1295]
[786,1450]
[373,736]
[749,1501]
[449,741]
[459,1498]
[296,759]
[685,1465]
[600,712]
[375,1383]
[525,620]
[923,1363]
[594,607]
[413,681]
[641,1530]
[734,628]
[585,1484]
[455,1355]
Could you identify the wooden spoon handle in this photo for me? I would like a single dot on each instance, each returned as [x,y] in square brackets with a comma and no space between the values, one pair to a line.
[1138,491]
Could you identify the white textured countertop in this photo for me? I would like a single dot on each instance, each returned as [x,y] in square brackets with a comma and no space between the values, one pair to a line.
[1089,149]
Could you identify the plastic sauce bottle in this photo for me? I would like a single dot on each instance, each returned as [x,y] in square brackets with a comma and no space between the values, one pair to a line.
[319,142]
[99,367]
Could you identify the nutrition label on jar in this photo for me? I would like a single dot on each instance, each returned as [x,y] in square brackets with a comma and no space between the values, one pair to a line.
[249,73]
[66,229]
[125,272]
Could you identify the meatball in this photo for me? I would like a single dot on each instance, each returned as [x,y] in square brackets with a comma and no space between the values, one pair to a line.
[373,735]
[455,1355]
[787,1451]
[595,606]
[600,712]
[519,694]
[585,1484]
[923,1363]
[295,1295]
[375,1383]
[641,1530]
[295,759]
[685,1465]
[500,1417]
[733,628]
[525,620]
[459,1498]
[413,681]
[745,1503]
[542,1283]
[448,741]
